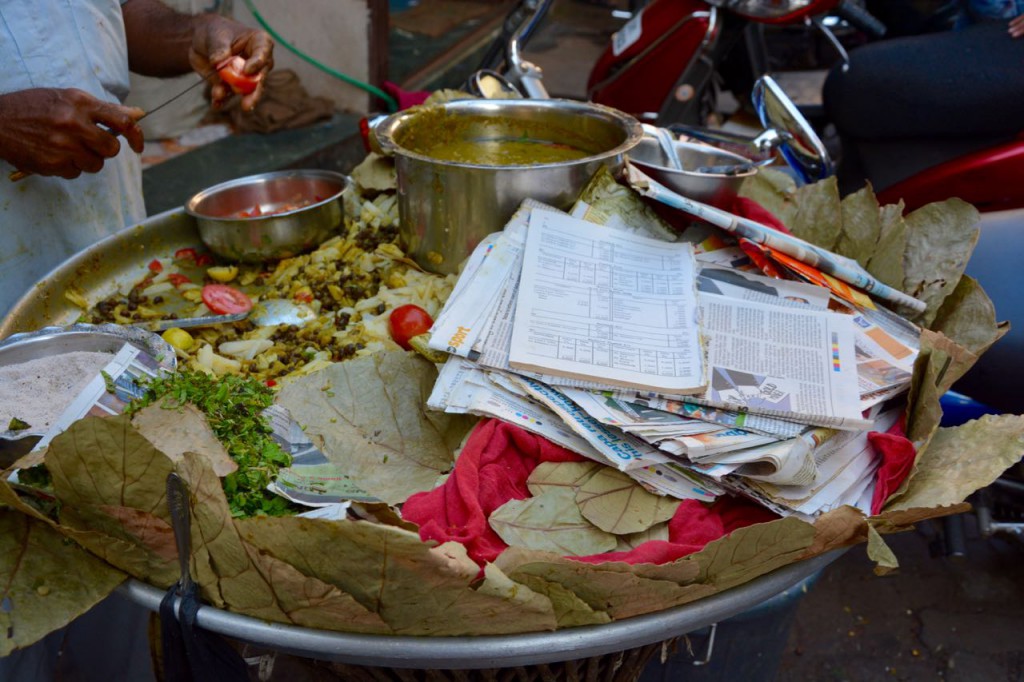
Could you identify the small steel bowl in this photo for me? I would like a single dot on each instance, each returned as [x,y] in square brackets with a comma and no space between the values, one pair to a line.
[710,175]
[299,209]
[48,341]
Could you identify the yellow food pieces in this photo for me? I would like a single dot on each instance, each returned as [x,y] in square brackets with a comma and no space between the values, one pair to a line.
[179,338]
[222,273]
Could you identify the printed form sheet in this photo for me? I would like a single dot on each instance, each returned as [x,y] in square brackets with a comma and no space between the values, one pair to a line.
[607,305]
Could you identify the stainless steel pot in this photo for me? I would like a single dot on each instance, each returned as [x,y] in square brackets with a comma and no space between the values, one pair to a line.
[447,207]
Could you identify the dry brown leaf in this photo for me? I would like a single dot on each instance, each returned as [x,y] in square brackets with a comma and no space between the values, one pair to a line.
[235,575]
[47,582]
[369,416]
[616,503]
[550,522]
[415,588]
[182,428]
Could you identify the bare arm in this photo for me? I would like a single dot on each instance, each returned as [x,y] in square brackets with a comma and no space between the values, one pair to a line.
[163,42]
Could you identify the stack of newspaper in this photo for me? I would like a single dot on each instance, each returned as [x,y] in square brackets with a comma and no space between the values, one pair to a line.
[664,359]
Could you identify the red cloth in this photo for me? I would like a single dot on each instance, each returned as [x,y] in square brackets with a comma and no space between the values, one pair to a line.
[492,469]
[898,455]
[694,525]
[748,208]
[405,98]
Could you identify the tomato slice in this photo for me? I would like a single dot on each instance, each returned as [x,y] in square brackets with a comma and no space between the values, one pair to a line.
[185,254]
[407,321]
[225,300]
[177,279]
[204,259]
[155,265]
[231,72]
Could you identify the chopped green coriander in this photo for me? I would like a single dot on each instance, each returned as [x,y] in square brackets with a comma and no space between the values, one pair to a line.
[17,425]
[233,405]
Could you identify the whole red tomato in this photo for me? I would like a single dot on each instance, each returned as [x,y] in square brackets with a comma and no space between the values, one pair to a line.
[407,321]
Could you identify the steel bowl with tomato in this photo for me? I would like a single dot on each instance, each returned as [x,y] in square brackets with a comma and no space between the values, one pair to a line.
[270,216]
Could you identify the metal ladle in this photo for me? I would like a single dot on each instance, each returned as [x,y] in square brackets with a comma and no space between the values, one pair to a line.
[274,311]
[268,313]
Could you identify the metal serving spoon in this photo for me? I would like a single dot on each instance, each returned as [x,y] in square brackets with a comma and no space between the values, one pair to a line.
[276,311]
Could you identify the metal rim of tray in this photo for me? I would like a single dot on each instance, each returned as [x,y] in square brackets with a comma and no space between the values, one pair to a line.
[494,651]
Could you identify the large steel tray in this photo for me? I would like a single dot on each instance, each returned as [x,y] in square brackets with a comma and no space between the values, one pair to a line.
[486,652]
[120,260]
[105,267]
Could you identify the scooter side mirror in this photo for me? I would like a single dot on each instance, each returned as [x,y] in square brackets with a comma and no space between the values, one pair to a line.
[793,135]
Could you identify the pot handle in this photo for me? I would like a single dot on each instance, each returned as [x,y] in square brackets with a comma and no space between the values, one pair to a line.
[370,135]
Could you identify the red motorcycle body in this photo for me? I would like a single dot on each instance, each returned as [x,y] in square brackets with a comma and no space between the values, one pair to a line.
[643,65]
[991,180]
[648,61]
[639,69]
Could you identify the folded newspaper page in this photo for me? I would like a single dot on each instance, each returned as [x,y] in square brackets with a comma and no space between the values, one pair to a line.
[846,465]
[833,264]
[627,453]
[464,387]
[607,305]
[748,286]
[741,419]
[790,363]
[311,480]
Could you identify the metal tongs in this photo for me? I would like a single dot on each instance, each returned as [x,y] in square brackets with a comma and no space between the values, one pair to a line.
[181,524]
[667,142]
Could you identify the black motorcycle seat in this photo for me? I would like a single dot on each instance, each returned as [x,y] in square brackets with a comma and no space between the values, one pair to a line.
[958,84]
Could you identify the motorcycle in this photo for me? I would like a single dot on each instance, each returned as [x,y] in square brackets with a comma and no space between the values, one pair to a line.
[632,75]
[667,64]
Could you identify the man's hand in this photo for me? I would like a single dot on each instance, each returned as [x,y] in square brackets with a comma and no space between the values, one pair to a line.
[50,131]
[215,40]
[1017,26]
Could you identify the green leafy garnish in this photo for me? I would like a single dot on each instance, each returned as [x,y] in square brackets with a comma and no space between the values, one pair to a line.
[36,477]
[18,425]
[233,405]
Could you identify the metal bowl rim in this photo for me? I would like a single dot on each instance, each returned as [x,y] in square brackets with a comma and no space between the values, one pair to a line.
[384,131]
[198,197]
[753,168]
[152,343]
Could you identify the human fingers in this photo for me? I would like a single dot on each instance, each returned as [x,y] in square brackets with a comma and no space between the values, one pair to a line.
[50,131]
[216,39]
[123,121]
[258,50]
[1016,27]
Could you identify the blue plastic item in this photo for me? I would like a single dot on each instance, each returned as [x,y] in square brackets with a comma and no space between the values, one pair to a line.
[958,408]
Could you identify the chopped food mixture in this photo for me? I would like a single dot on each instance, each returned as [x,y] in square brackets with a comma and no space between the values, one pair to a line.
[343,294]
